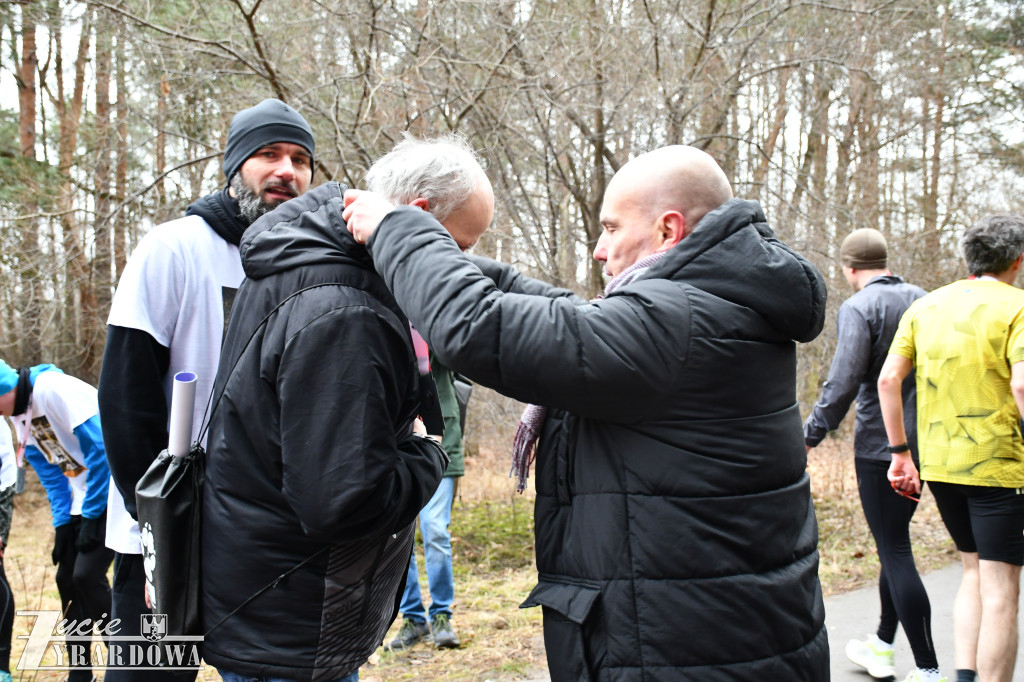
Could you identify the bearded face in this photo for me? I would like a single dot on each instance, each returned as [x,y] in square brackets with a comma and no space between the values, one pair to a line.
[270,195]
[271,176]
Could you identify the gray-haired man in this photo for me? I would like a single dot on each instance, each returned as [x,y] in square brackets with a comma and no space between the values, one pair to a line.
[964,343]
[442,176]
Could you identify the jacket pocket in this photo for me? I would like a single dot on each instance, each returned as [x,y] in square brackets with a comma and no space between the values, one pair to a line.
[563,451]
[574,629]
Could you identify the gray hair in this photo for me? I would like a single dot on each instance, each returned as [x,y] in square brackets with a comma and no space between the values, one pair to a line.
[993,243]
[443,170]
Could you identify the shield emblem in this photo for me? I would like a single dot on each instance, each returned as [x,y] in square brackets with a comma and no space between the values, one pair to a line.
[154,626]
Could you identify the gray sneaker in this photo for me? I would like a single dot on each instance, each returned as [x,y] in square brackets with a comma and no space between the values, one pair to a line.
[444,636]
[411,632]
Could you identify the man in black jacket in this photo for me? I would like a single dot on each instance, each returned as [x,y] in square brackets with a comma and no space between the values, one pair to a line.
[168,315]
[675,531]
[314,470]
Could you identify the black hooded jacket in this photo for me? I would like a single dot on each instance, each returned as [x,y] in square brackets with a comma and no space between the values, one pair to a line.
[312,471]
[675,531]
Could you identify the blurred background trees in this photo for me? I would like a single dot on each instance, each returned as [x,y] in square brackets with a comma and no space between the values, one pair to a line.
[903,115]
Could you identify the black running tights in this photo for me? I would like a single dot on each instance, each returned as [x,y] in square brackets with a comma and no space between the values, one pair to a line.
[904,600]
[6,620]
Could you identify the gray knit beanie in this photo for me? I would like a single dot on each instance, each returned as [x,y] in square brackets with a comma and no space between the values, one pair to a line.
[268,122]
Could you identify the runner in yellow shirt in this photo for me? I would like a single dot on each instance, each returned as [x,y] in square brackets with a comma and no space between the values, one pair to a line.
[965,343]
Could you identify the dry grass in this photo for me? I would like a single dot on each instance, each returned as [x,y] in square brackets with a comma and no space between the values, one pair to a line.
[492,545]
[492,541]
[29,568]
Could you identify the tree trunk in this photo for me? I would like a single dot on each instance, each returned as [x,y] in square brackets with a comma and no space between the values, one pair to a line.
[812,176]
[27,81]
[931,196]
[120,226]
[79,294]
[598,179]
[27,328]
[161,142]
[866,180]
[781,109]
[95,316]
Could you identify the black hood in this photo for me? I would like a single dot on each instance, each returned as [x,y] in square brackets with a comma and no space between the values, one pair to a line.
[735,238]
[221,212]
[307,230]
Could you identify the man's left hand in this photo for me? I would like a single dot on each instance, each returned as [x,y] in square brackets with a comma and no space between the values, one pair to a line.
[363,213]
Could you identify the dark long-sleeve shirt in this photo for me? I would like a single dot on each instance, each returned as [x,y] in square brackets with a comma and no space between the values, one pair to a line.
[866,326]
[133,406]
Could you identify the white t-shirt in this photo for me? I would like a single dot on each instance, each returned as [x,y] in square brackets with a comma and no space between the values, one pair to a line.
[178,287]
[60,403]
[8,464]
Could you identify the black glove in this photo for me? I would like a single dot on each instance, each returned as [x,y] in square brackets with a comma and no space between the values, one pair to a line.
[92,533]
[64,543]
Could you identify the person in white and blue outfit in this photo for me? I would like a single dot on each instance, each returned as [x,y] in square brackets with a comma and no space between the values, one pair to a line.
[57,422]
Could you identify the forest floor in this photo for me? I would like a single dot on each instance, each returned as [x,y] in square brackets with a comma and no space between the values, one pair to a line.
[492,542]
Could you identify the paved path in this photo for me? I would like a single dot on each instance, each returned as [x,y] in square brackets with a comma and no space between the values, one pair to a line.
[855,614]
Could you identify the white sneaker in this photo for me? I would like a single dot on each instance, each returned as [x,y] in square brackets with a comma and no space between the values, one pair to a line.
[918,675]
[878,662]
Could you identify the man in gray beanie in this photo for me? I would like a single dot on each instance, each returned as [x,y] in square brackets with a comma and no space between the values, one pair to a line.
[169,314]
[866,326]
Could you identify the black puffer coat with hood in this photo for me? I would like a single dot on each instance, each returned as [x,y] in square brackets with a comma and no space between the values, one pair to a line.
[313,472]
[675,531]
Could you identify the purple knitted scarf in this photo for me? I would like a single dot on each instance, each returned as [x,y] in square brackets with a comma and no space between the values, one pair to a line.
[524,447]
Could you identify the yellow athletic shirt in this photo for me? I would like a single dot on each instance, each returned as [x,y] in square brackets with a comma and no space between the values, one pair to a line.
[962,339]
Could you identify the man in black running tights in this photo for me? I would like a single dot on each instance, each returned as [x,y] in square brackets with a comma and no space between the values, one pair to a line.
[867,323]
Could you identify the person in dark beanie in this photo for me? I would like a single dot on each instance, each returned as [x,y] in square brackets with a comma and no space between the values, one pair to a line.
[866,326]
[169,314]
[58,427]
[269,123]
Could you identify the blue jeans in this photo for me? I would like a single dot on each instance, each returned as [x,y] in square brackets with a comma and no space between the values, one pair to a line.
[437,547]
[232,677]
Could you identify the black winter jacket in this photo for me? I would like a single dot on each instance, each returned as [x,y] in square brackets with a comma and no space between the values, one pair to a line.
[675,531]
[313,472]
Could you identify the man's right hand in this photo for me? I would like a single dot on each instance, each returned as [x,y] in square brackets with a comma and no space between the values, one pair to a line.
[92,533]
[363,213]
[903,474]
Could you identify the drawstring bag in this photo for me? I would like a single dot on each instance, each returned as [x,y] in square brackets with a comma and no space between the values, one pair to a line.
[169,498]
